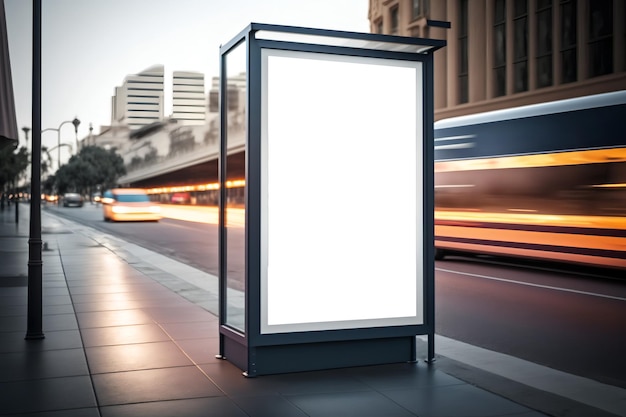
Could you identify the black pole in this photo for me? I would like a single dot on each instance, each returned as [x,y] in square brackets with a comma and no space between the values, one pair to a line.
[17,204]
[35,264]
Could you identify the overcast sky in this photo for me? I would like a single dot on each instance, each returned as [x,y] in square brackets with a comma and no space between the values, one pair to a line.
[89,46]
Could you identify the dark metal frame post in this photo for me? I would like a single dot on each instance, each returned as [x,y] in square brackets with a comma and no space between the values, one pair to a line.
[35,282]
[222,200]
[429,215]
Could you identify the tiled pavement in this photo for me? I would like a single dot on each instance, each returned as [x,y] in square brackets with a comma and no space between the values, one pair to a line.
[126,336]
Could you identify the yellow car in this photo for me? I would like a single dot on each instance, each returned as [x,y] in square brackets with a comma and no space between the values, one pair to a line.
[129,204]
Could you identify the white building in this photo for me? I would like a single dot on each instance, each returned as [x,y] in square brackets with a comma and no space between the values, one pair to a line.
[139,101]
[188,98]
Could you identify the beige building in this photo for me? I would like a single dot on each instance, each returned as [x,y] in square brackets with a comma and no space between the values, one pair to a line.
[507,53]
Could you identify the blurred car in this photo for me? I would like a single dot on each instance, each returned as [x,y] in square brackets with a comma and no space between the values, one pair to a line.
[50,198]
[129,204]
[180,198]
[72,200]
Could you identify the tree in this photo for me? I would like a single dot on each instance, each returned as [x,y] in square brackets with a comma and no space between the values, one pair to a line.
[12,166]
[92,167]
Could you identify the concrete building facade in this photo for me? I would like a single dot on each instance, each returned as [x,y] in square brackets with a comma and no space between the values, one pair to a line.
[188,98]
[139,101]
[508,53]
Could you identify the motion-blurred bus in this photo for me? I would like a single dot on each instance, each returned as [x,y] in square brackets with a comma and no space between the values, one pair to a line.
[545,181]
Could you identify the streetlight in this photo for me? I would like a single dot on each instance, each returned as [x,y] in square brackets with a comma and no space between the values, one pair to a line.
[75,122]
[26,130]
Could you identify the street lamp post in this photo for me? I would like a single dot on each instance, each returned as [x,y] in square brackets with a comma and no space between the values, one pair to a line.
[75,122]
[26,130]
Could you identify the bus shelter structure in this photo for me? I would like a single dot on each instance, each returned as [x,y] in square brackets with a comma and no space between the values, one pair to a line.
[326,253]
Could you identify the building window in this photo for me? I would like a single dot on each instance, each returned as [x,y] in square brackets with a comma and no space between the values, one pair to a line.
[417,9]
[499,48]
[544,43]
[600,37]
[520,45]
[569,60]
[420,8]
[463,53]
[394,21]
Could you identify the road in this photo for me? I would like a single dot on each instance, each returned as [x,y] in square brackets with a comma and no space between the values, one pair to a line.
[571,320]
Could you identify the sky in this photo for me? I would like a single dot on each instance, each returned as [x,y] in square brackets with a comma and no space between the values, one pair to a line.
[90,46]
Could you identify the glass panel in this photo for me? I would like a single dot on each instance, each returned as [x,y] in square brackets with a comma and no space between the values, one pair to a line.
[569,65]
[394,21]
[601,54]
[499,48]
[500,81]
[544,32]
[235,187]
[519,8]
[520,44]
[314,245]
[416,9]
[544,71]
[520,71]
[520,48]
[463,52]
[601,37]
[500,13]
[544,45]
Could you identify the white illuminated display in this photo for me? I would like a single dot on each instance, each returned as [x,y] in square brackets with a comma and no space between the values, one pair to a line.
[341,190]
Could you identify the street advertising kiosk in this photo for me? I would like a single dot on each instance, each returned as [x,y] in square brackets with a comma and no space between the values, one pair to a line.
[326,199]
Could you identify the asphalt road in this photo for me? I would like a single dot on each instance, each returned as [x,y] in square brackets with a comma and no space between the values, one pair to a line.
[570,319]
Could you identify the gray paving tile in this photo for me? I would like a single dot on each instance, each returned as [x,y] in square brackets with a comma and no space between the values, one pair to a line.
[349,404]
[231,381]
[183,313]
[13,323]
[19,366]
[40,395]
[194,330]
[201,351]
[454,401]
[318,382]
[196,407]
[60,322]
[117,297]
[52,300]
[54,340]
[153,385]
[402,375]
[79,412]
[122,335]
[113,318]
[115,288]
[268,406]
[91,303]
[103,359]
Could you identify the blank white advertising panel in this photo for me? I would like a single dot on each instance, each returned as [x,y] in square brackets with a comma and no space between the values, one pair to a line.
[341,208]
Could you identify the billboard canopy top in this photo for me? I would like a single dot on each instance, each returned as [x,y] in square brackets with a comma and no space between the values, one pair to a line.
[357,40]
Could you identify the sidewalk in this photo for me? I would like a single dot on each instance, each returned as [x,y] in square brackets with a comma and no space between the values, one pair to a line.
[126,335]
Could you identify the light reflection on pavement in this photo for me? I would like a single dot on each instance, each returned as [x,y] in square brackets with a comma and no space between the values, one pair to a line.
[203,214]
